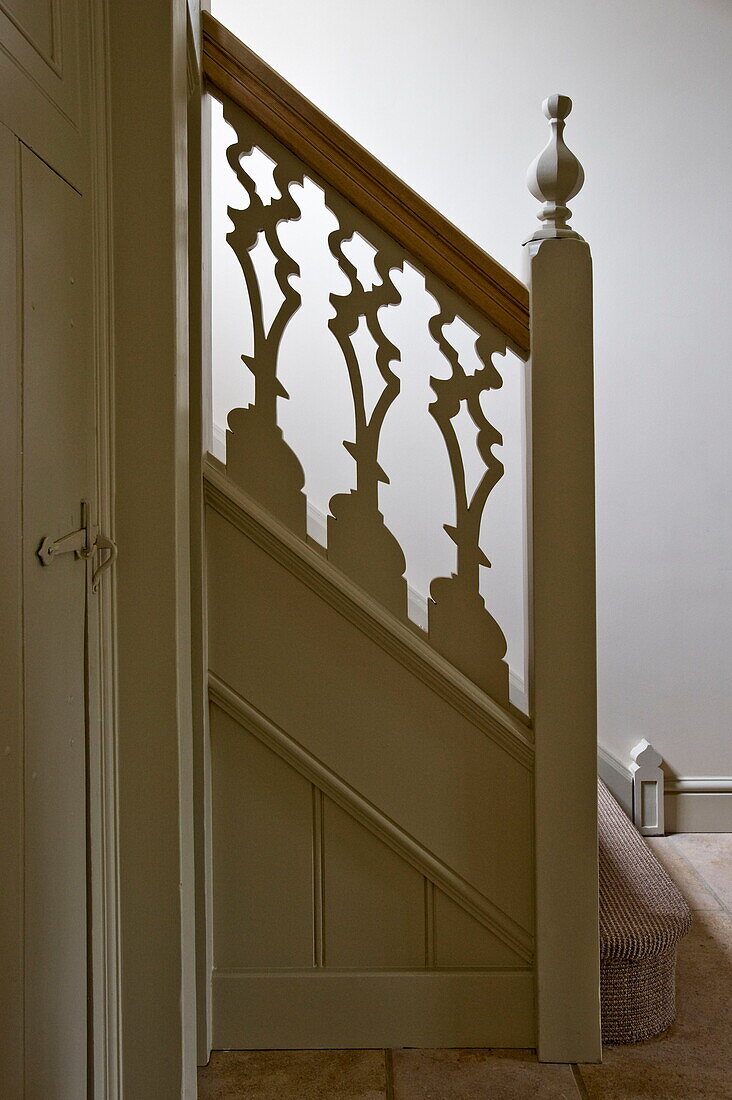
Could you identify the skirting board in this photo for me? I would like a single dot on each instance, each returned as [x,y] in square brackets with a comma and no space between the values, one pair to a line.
[692,805]
[616,778]
[315,1009]
[700,805]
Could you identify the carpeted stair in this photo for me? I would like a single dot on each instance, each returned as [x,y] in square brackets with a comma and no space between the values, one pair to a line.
[642,918]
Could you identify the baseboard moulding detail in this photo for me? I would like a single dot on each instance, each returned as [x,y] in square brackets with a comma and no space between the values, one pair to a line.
[699,804]
[691,804]
[616,778]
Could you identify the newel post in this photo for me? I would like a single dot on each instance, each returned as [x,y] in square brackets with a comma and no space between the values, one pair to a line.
[562,602]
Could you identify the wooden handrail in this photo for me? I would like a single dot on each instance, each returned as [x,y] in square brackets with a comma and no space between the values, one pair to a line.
[234,70]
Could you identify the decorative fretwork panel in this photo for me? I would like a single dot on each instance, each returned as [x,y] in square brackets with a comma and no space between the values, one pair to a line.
[263,463]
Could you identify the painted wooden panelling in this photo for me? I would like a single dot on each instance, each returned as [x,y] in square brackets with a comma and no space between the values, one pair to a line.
[57,416]
[47,469]
[373,901]
[262,854]
[402,746]
[328,1008]
[461,941]
[300,882]
[42,80]
[371,882]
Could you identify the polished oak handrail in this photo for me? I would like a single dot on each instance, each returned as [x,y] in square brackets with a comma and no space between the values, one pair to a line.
[234,70]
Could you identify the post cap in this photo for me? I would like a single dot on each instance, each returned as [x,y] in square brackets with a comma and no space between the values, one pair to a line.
[556,175]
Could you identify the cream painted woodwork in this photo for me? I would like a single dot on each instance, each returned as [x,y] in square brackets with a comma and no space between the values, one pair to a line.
[149,66]
[233,69]
[379,837]
[648,789]
[56,994]
[115,128]
[261,460]
[43,73]
[397,856]
[48,619]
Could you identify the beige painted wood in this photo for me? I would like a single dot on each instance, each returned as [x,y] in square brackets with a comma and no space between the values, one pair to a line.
[58,460]
[43,66]
[262,869]
[330,1008]
[148,106]
[102,762]
[402,793]
[406,645]
[200,421]
[295,873]
[689,811]
[403,747]
[48,468]
[258,457]
[52,105]
[373,901]
[55,102]
[648,789]
[459,940]
[233,69]
[563,672]
[387,831]
[11,626]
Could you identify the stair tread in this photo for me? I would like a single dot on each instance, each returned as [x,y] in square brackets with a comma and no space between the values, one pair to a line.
[642,912]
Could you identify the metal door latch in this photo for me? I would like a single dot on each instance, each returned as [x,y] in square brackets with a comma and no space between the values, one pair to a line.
[84,543]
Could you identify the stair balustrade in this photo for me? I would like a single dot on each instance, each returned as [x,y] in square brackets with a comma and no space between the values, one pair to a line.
[543,330]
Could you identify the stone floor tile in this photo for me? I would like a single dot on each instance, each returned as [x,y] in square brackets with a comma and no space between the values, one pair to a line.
[484,1074]
[678,868]
[710,854]
[693,1059]
[294,1075]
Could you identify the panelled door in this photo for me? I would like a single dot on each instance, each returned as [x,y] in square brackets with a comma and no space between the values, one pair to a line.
[47,607]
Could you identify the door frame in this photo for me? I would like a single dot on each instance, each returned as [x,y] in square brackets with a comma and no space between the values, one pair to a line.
[146,822]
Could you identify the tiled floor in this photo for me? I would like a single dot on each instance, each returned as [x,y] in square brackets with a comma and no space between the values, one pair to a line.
[693,1059]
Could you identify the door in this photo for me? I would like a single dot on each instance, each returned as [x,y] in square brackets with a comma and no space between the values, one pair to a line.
[48,685]
[47,703]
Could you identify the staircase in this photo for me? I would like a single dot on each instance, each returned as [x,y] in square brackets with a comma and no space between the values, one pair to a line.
[398,856]
[642,918]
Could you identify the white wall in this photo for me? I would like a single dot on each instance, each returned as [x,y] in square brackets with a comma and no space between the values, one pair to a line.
[448,96]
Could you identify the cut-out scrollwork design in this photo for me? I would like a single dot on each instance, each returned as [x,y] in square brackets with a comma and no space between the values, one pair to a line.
[257,455]
[460,626]
[359,542]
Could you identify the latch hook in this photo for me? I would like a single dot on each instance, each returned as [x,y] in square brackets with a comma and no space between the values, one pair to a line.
[104,542]
[83,542]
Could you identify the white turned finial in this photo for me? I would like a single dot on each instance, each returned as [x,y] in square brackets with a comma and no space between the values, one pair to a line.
[556,175]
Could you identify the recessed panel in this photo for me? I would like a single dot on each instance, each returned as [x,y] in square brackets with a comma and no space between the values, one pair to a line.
[35,21]
[462,941]
[262,853]
[373,899]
